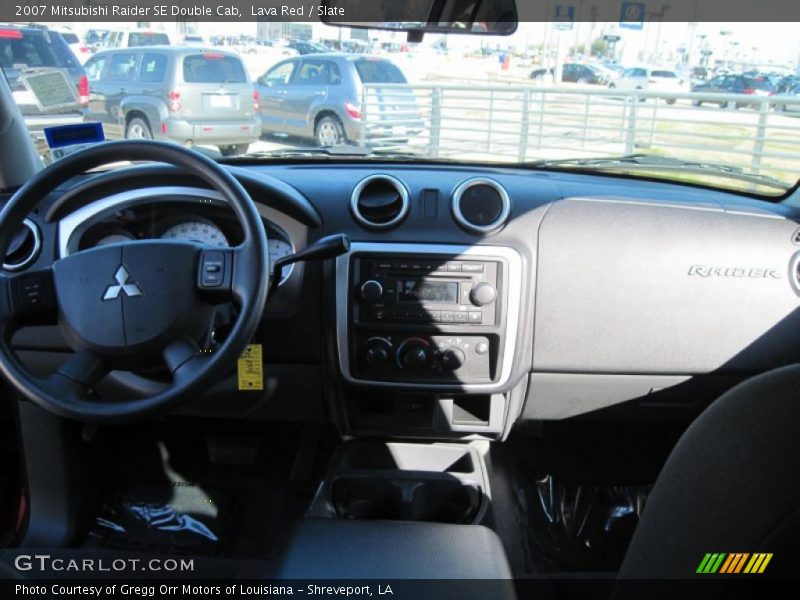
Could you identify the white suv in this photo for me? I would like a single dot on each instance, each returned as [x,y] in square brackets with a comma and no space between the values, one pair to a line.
[135,38]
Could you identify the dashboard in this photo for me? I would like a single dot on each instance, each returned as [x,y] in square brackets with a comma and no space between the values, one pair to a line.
[472,297]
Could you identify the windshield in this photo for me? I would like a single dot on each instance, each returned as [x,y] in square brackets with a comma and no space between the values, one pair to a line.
[721,96]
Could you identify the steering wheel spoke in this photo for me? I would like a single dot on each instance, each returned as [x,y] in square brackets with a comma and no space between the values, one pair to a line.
[27,299]
[77,375]
[178,352]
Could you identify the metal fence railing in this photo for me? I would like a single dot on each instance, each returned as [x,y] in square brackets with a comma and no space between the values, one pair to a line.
[759,134]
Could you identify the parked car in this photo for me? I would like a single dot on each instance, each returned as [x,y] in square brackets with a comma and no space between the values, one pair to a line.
[305,47]
[789,91]
[192,39]
[27,50]
[95,38]
[319,96]
[79,49]
[734,84]
[700,73]
[135,38]
[184,94]
[650,79]
[575,73]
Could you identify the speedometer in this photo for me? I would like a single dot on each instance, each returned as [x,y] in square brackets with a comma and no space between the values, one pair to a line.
[279,248]
[197,231]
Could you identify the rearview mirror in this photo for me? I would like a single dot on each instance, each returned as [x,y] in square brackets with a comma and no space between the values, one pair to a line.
[481,17]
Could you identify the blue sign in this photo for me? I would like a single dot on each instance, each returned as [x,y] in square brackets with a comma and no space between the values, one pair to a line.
[564,17]
[631,15]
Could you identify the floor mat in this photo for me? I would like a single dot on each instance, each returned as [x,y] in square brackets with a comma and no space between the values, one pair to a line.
[201,491]
[580,490]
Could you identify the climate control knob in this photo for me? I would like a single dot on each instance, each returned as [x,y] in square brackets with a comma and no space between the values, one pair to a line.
[482,293]
[453,359]
[414,353]
[378,351]
[371,291]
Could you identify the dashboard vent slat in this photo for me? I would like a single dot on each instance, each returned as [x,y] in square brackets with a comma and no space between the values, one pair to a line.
[24,248]
[379,202]
[481,205]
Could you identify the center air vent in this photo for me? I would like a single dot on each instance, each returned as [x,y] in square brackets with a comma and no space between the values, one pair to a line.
[24,247]
[379,201]
[481,205]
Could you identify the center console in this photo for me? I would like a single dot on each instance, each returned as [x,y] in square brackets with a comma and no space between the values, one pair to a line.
[427,316]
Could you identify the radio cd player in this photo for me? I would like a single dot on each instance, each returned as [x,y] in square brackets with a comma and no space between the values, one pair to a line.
[415,290]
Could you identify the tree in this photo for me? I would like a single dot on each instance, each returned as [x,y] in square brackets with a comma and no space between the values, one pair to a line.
[600,48]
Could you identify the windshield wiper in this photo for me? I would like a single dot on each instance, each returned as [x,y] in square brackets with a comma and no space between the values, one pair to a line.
[331,152]
[652,162]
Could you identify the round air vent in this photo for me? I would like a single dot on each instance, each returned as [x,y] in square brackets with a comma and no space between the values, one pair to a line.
[794,272]
[379,201]
[481,205]
[24,247]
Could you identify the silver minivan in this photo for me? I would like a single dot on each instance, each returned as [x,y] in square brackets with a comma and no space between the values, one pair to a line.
[319,96]
[187,95]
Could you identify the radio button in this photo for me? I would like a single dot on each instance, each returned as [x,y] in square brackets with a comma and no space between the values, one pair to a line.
[482,294]
[459,317]
[371,291]
[475,317]
[446,317]
[472,267]
[454,266]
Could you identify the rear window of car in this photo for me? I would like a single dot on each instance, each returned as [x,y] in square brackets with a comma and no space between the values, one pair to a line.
[70,38]
[31,49]
[664,74]
[147,38]
[213,68]
[378,71]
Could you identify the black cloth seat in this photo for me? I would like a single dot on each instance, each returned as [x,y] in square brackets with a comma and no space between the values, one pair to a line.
[731,484]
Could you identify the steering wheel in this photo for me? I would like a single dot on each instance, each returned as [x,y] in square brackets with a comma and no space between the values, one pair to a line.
[136,304]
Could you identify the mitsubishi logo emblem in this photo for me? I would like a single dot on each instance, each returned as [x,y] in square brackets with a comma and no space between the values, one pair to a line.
[122,285]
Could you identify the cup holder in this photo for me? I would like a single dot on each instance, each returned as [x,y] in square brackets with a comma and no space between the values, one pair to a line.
[405,499]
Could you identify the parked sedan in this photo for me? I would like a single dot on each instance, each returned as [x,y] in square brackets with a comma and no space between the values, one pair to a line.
[319,96]
[575,73]
[734,84]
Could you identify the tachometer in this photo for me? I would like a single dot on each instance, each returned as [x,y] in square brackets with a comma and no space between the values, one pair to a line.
[197,231]
[115,238]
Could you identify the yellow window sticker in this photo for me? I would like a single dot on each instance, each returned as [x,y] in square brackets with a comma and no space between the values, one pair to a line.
[251,368]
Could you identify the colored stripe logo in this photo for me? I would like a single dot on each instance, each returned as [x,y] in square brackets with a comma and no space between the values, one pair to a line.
[734,563]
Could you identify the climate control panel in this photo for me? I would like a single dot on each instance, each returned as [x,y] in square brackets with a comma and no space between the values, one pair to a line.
[421,357]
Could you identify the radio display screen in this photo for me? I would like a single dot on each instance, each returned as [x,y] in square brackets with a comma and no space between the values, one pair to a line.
[421,290]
